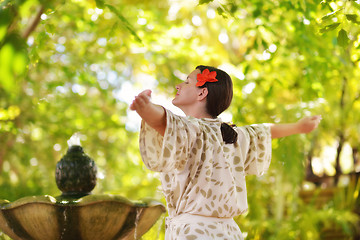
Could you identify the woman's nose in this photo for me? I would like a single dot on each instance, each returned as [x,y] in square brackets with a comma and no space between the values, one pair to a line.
[177,87]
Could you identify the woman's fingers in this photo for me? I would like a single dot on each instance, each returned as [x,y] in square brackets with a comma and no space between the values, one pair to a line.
[141,100]
[316,118]
[137,103]
[309,124]
[147,92]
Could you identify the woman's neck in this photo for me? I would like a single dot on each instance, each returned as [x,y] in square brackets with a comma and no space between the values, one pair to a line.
[197,114]
[196,110]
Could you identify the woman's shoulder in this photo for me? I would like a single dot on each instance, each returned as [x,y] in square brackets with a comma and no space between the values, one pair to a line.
[254,131]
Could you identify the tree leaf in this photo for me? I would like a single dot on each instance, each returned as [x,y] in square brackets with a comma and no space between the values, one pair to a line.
[221,12]
[352,18]
[329,27]
[342,38]
[5,16]
[128,26]
[20,62]
[7,81]
[205,1]
[331,15]
[100,4]
[3,30]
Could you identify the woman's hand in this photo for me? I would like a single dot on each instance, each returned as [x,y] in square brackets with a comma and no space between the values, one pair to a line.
[308,124]
[141,101]
[152,114]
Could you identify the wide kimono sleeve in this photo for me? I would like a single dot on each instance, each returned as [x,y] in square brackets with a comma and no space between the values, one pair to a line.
[169,152]
[257,148]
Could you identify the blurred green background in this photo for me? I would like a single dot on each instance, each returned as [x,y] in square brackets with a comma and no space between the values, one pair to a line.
[74,66]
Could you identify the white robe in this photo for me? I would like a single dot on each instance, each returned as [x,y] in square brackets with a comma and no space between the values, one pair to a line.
[202,176]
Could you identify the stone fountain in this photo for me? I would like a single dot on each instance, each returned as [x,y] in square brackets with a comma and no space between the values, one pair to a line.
[77,214]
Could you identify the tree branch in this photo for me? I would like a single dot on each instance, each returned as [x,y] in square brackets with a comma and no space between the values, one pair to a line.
[34,23]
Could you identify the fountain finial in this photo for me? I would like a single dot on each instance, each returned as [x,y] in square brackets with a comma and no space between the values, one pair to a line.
[74,140]
[75,172]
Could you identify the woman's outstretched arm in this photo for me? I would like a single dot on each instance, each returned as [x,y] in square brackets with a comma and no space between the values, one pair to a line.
[154,115]
[304,125]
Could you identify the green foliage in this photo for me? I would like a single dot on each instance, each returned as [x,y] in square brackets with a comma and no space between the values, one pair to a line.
[287,59]
[345,15]
[342,38]
[297,219]
[205,1]
[124,21]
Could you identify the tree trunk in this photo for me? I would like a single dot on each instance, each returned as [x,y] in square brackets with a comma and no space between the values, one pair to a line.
[8,143]
[338,153]
[355,152]
[341,132]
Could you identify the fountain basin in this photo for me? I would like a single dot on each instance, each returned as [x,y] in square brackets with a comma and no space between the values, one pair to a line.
[92,217]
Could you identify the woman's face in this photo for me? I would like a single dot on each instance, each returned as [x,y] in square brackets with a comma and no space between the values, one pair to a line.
[187,92]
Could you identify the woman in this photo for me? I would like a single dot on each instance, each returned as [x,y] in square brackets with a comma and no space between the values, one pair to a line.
[203,161]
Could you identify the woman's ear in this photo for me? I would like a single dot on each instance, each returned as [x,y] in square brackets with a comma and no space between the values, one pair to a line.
[203,93]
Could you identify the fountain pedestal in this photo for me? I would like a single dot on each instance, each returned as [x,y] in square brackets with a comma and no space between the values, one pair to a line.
[92,217]
[76,214]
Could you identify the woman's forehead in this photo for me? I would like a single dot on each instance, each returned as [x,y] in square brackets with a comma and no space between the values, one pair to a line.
[194,74]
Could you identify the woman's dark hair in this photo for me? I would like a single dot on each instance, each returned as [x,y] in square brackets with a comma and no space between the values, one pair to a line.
[219,97]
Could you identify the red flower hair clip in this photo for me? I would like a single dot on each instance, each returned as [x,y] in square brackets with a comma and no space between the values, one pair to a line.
[206,76]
